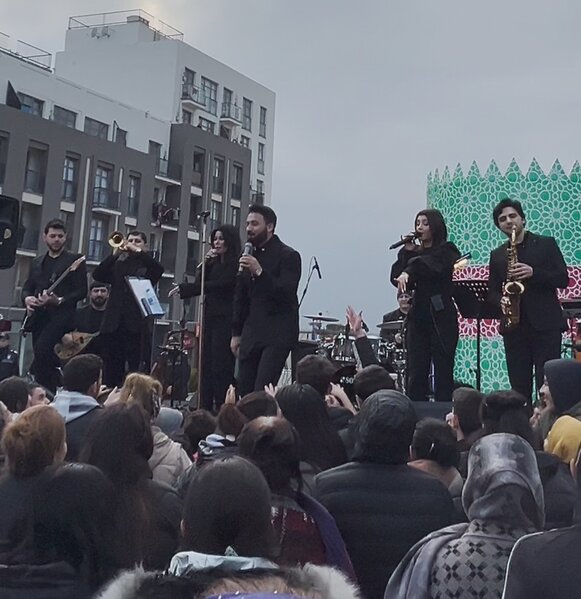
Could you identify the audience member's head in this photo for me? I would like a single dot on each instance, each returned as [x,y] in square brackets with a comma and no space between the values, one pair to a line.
[34,441]
[503,483]
[169,420]
[273,444]
[258,403]
[197,426]
[37,395]
[228,505]
[384,428]
[371,379]
[467,403]
[73,524]
[563,381]
[564,439]
[230,421]
[507,412]
[305,409]
[434,440]
[15,394]
[83,374]
[143,390]
[316,371]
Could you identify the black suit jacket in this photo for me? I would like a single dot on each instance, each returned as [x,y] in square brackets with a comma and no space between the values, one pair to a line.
[266,307]
[539,304]
[72,289]
[122,307]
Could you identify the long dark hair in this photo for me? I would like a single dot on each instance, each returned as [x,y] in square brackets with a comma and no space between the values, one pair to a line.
[437,224]
[305,409]
[231,239]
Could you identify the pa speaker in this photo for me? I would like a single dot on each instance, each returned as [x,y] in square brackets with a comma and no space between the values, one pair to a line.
[9,219]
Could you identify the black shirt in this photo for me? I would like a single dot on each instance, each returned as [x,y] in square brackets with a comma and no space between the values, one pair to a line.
[88,320]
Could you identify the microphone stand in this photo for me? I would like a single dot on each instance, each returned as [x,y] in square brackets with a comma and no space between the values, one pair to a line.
[202,301]
[313,268]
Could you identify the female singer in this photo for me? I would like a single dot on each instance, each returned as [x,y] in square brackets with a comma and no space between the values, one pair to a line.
[221,269]
[432,324]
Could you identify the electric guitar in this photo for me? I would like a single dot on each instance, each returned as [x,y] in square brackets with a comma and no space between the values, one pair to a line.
[30,321]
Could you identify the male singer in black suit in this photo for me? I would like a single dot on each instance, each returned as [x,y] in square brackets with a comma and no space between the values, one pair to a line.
[54,313]
[124,331]
[542,270]
[266,320]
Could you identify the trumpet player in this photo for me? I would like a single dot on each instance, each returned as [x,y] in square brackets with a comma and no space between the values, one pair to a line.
[125,333]
[524,275]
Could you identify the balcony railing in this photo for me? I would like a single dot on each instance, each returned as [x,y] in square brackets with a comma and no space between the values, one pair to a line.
[34,182]
[97,250]
[105,198]
[236,191]
[167,169]
[193,93]
[164,215]
[231,111]
[28,238]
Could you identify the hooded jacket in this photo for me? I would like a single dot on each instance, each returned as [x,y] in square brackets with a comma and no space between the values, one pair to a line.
[169,460]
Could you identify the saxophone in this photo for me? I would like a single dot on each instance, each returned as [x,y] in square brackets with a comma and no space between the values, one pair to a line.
[511,290]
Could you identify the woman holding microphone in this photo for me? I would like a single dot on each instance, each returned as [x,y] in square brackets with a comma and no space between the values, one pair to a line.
[425,269]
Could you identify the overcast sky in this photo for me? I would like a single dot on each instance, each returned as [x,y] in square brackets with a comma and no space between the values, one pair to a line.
[371,96]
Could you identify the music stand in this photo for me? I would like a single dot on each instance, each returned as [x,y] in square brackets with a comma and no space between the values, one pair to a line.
[471,298]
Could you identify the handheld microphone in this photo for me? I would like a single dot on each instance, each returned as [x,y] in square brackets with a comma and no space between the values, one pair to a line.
[316,267]
[248,251]
[403,241]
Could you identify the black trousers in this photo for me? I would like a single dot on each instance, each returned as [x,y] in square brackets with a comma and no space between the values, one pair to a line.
[431,339]
[261,366]
[217,361]
[527,349]
[125,351]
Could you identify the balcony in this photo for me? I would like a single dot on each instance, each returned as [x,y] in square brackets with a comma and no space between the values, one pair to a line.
[97,250]
[193,95]
[163,215]
[168,170]
[106,199]
[236,191]
[258,198]
[231,113]
[34,182]
[28,238]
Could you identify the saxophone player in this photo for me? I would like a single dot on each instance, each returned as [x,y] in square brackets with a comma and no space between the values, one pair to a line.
[532,320]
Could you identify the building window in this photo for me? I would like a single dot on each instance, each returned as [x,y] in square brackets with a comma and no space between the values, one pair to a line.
[260,163]
[195,209]
[102,195]
[218,176]
[65,117]
[189,77]
[120,136]
[97,243]
[206,125]
[31,105]
[262,128]
[244,141]
[96,128]
[235,216]
[3,156]
[186,117]
[35,171]
[133,195]
[236,192]
[259,195]
[247,114]
[215,214]
[70,179]
[210,93]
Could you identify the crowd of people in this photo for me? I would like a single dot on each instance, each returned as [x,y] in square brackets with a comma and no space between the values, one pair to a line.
[289,492]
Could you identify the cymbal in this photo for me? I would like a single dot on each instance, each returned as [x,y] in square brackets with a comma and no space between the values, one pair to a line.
[390,325]
[321,318]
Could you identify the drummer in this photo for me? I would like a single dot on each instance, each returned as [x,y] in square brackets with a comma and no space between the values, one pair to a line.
[399,314]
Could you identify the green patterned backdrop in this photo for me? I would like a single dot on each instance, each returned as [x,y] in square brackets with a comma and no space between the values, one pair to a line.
[552,206]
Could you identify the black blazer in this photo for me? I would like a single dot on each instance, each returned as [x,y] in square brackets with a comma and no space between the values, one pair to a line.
[122,306]
[72,289]
[266,310]
[539,304]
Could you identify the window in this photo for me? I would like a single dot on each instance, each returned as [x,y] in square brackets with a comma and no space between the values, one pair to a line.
[262,127]
[31,105]
[70,179]
[186,117]
[65,117]
[189,77]
[96,128]
[69,219]
[97,243]
[3,156]
[244,141]
[206,125]
[227,97]
[260,164]
[236,192]
[218,176]
[102,196]
[235,216]
[198,167]
[133,195]
[35,170]
[192,257]
[195,209]
[210,93]
[215,214]
[259,195]
[120,136]
[247,114]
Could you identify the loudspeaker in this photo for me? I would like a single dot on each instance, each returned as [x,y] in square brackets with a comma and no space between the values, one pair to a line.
[9,219]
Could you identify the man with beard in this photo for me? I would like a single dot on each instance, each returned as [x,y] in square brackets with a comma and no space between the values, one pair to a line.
[541,269]
[266,320]
[53,313]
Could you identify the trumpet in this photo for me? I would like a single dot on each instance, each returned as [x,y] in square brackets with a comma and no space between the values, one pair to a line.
[117,241]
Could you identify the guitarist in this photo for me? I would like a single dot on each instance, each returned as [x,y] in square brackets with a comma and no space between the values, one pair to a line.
[53,314]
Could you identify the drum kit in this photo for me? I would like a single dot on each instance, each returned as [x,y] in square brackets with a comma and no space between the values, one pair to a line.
[339,347]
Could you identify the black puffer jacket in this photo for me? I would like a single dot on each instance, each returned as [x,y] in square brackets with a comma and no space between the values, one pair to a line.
[381,511]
